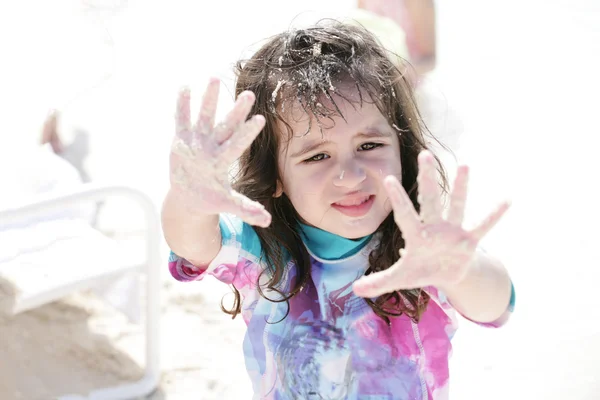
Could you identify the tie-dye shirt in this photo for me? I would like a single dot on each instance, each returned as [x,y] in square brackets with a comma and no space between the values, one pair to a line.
[331,345]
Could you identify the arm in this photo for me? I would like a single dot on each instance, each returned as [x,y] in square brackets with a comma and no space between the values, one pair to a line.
[195,237]
[440,253]
[421,33]
[199,168]
[485,293]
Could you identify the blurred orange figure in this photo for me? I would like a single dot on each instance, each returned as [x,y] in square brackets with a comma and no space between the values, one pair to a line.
[416,18]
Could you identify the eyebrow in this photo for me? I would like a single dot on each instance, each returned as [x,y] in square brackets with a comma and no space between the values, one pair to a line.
[367,133]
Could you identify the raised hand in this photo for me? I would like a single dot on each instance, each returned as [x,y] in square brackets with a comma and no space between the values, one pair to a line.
[201,156]
[438,251]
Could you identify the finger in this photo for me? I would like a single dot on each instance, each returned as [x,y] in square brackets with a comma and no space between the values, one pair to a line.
[208,108]
[429,189]
[487,224]
[182,115]
[458,198]
[236,117]
[243,138]
[405,215]
[378,283]
[251,212]
[50,123]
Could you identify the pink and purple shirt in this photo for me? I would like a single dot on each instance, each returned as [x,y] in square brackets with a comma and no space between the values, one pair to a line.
[331,345]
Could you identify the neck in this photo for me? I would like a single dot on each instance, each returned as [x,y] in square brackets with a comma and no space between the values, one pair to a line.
[329,246]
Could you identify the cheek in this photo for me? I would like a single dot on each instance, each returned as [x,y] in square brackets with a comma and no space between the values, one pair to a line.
[300,183]
[385,164]
[307,190]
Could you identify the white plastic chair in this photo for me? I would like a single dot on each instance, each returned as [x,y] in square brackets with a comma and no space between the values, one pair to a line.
[32,293]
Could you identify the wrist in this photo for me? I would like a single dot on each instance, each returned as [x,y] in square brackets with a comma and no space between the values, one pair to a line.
[185,203]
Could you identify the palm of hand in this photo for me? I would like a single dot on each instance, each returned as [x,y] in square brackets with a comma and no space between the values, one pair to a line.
[439,255]
[438,251]
[201,156]
[198,172]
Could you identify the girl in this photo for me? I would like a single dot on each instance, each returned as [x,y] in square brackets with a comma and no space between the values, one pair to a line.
[332,236]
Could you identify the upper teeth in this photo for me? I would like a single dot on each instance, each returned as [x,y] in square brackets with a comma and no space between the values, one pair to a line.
[353,202]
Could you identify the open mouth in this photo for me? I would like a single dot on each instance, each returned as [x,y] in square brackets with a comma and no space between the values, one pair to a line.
[355,206]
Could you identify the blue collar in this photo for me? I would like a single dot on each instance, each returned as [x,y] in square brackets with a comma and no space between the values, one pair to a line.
[329,246]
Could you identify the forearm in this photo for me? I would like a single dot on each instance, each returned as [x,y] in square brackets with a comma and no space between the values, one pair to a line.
[484,294]
[197,238]
[421,32]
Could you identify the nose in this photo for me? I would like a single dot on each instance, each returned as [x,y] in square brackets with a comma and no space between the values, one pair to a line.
[351,174]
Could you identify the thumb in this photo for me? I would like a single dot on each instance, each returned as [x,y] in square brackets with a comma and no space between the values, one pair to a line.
[376,284]
[251,212]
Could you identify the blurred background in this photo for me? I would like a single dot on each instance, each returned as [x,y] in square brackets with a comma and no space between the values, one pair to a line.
[515,93]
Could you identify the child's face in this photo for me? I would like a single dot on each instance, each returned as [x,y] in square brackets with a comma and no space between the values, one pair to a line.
[334,179]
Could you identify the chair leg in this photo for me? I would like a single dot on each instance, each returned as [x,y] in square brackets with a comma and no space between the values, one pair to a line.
[150,381]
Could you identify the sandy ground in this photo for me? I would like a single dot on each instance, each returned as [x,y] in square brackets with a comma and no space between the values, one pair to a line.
[516,81]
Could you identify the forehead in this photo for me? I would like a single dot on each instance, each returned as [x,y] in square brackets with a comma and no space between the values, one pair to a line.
[348,107]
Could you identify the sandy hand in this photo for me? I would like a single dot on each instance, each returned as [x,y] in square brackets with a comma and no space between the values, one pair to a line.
[438,251]
[201,156]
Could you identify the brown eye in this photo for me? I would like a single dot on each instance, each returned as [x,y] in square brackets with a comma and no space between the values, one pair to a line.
[370,146]
[316,158]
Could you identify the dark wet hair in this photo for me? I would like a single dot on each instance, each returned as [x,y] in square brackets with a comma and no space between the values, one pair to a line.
[303,66]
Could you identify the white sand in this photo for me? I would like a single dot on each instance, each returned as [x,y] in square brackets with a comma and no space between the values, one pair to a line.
[521,124]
